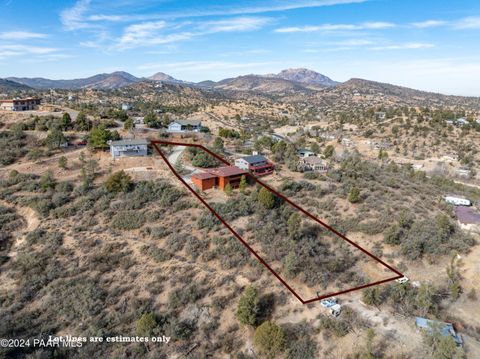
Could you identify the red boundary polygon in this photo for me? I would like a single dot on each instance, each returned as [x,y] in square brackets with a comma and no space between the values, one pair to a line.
[252,251]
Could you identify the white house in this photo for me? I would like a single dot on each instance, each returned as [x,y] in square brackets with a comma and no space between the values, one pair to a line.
[126,106]
[457,201]
[302,153]
[312,163]
[184,126]
[129,147]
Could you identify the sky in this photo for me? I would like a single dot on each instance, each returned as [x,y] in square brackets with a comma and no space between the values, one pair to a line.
[431,45]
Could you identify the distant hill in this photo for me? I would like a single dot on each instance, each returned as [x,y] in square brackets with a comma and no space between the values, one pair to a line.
[304,76]
[101,81]
[362,86]
[163,77]
[260,83]
[8,85]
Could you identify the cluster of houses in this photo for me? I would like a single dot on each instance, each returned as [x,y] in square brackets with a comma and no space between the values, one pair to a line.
[20,104]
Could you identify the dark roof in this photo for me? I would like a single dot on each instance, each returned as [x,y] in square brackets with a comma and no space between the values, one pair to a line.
[254,158]
[203,175]
[467,215]
[227,171]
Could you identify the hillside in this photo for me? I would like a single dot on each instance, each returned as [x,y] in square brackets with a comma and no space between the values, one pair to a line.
[304,76]
[102,81]
[8,85]
[258,83]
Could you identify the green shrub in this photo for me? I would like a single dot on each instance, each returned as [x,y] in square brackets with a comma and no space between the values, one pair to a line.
[119,182]
[127,220]
[248,306]
[269,339]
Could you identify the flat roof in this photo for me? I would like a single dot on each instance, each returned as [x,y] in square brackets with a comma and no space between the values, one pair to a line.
[227,171]
[313,160]
[188,122]
[467,215]
[132,141]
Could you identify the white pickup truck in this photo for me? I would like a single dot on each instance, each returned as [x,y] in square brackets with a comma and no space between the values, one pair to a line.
[331,305]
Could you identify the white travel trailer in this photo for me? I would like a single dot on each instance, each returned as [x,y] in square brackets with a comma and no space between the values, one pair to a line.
[457,201]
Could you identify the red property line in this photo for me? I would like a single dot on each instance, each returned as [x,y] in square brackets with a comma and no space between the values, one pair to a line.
[399,275]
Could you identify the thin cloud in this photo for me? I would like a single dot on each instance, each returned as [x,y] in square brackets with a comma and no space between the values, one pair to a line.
[338,27]
[472,22]
[235,24]
[225,10]
[408,46]
[74,18]
[429,23]
[160,32]
[21,35]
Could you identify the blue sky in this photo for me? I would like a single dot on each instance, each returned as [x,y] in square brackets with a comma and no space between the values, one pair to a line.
[426,44]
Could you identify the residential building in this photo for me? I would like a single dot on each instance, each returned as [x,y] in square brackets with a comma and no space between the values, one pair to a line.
[126,106]
[312,163]
[26,104]
[463,172]
[204,180]
[257,165]
[129,147]
[380,115]
[184,126]
[219,177]
[457,201]
[302,153]
[445,329]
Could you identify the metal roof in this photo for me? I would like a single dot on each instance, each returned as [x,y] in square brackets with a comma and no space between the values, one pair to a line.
[132,141]
[227,171]
[203,175]
[188,122]
[254,158]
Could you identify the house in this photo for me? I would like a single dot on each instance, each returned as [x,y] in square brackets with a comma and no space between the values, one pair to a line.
[312,163]
[219,177]
[139,120]
[126,106]
[463,172]
[256,164]
[302,153]
[26,104]
[380,115]
[204,180]
[457,201]
[129,147]
[445,329]
[347,142]
[184,126]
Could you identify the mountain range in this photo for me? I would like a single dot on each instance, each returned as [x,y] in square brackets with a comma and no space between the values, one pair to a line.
[286,80]
[289,81]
